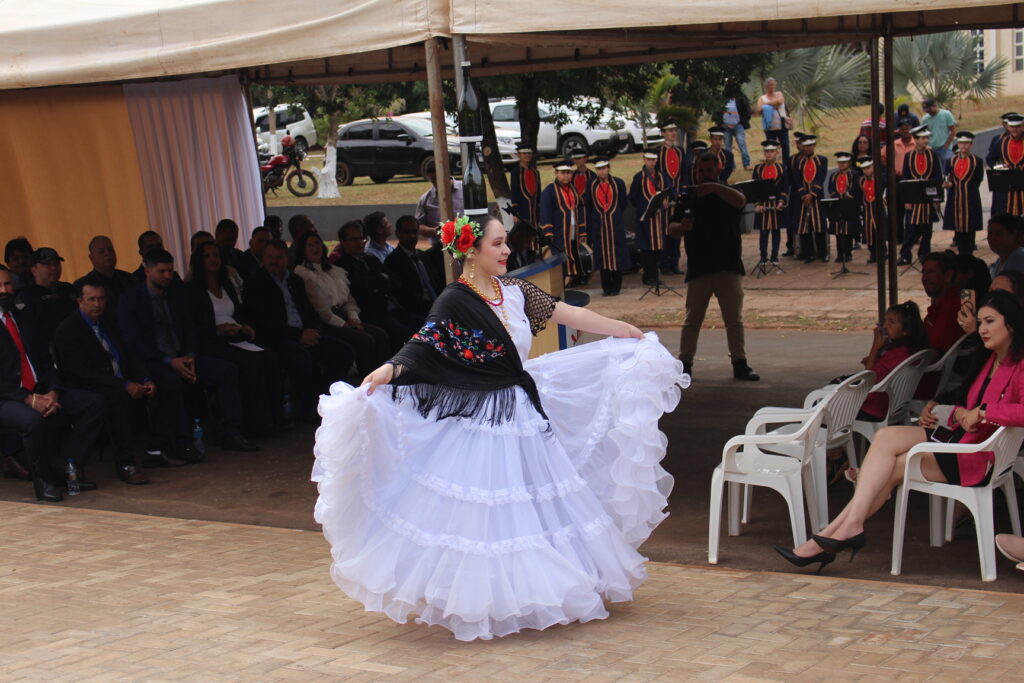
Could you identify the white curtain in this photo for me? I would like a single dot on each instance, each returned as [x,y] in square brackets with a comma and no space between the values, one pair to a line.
[197,157]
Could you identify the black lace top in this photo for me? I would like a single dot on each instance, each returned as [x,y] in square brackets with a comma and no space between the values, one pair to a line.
[539,305]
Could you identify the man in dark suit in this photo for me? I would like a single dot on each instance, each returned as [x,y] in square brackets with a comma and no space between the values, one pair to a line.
[286,323]
[415,294]
[49,299]
[156,322]
[30,393]
[105,272]
[92,356]
[252,258]
[226,237]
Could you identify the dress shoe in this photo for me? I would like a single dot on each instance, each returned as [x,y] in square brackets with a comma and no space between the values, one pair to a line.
[238,443]
[832,545]
[130,474]
[13,469]
[190,455]
[83,481]
[823,557]
[161,459]
[740,370]
[46,491]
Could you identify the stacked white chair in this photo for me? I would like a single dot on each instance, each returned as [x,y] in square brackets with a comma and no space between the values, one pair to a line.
[943,366]
[1005,442]
[900,385]
[746,461]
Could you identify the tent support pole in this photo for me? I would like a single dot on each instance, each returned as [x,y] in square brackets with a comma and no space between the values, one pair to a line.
[891,196]
[440,129]
[881,228]
[247,91]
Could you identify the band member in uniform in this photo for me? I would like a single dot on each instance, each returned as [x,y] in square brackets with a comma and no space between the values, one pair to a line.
[842,185]
[963,195]
[606,228]
[581,178]
[524,184]
[920,163]
[997,140]
[725,159]
[671,163]
[650,234]
[561,211]
[693,152]
[807,177]
[871,190]
[1009,154]
[767,216]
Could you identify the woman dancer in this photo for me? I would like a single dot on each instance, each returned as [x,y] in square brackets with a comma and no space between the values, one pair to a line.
[484,492]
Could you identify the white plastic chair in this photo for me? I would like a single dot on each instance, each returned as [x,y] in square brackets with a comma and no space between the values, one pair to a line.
[943,366]
[900,385]
[744,462]
[845,400]
[1005,442]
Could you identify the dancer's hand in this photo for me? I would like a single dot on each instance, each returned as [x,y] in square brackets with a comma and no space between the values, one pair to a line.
[382,375]
[629,332]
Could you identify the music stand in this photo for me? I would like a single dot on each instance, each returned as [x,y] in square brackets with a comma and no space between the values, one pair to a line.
[1005,180]
[842,209]
[761,192]
[656,204]
[923,191]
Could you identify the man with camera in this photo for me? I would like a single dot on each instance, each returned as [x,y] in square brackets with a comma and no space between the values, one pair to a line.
[708,220]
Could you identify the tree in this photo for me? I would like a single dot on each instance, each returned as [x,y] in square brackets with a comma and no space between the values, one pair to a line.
[643,111]
[706,84]
[818,79]
[944,66]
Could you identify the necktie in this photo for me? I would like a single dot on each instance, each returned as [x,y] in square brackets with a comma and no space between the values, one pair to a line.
[106,347]
[28,375]
[424,280]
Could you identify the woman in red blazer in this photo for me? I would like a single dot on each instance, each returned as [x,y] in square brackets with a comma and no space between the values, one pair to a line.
[995,398]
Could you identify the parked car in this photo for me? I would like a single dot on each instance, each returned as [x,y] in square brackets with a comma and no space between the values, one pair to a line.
[292,119]
[384,148]
[508,138]
[562,140]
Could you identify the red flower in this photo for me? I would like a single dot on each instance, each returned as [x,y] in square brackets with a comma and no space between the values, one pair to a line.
[467,353]
[490,347]
[448,232]
[466,239]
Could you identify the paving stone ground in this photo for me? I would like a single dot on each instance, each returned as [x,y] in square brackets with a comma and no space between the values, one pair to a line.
[90,595]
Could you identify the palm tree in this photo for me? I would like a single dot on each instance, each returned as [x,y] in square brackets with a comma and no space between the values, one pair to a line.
[819,79]
[658,96]
[944,66]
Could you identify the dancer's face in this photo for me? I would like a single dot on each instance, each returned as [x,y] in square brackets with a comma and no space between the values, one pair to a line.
[490,255]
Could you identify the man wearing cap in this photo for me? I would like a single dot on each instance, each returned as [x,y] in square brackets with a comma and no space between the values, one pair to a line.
[650,234]
[524,185]
[1009,154]
[871,190]
[672,165]
[842,185]
[581,179]
[807,175]
[921,163]
[942,126]
[607,228]
[997,140]
[49,299]
[767,215]
[561,213]
[963,174]
[725,159]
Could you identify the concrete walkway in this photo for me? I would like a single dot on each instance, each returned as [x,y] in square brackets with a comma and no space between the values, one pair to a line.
[99,596]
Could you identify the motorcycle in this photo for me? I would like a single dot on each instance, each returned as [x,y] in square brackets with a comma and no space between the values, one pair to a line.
[286,169]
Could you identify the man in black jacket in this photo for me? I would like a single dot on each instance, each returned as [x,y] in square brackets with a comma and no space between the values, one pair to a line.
[156,322]
[30,393]
[415,292]
[286,324]
[105,272]
[49,299]
[92,356]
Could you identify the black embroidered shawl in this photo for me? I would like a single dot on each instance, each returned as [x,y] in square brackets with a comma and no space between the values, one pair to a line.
[463,363]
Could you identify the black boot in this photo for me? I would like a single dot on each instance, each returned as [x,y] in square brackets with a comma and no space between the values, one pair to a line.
[740,370]
[46,491]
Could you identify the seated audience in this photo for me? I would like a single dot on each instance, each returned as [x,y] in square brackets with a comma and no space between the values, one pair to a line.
[899,338]
[373,288]
[415,292]
[149,240]
[938,277]
[378,230]
[339,249]
[49,299]
[286,323]
[92,356]
[199,237]
[521,240]
[31,398]
[275,226]
[223,332]
[252,258]
[972,273]
[298,225]
[105,272]
[1004,233]
[995,394]
[226,237]
[18,257]
[328,291]
[157,326]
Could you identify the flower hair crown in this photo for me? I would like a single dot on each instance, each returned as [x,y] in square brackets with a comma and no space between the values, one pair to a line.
[458,235]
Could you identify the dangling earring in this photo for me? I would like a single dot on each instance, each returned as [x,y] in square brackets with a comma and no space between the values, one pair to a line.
[472,269]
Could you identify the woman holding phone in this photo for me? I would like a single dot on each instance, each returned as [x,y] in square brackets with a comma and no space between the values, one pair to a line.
[994,397]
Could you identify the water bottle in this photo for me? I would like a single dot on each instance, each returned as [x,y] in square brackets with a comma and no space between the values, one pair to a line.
[287,409]
[73,488]
[197,437]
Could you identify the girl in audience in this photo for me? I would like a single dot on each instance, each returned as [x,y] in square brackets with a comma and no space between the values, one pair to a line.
[994,397]
[223,332]
[899,337]
[328,291]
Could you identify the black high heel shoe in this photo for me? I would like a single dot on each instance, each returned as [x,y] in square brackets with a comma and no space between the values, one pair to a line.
[823,557]
[832,545]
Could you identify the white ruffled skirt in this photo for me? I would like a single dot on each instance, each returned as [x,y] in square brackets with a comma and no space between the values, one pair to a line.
[488,530]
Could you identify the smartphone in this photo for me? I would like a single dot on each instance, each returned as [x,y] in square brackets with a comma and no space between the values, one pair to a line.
[967,299]
[942,435]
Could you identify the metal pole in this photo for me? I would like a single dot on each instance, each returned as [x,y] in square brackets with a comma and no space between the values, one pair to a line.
[876,144]
[890,163]
[247,91]
[440,129]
